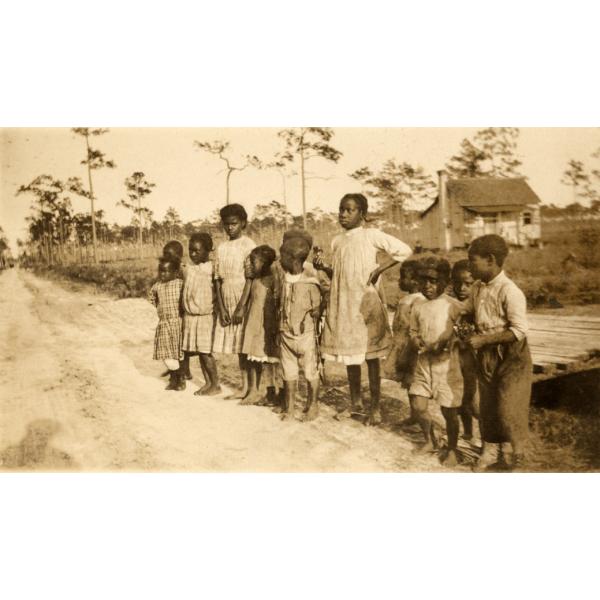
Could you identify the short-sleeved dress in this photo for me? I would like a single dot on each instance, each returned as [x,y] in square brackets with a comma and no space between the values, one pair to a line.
[260,331]
[401,360]
[356,324]
[229,269]
[198,308]
[167,299]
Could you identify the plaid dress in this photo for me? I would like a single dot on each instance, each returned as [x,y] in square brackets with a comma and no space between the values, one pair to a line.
[167,299]
[198,308]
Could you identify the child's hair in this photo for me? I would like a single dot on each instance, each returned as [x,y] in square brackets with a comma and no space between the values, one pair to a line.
[266,253]
[298,233]
[173,261]
[203,238]
[297,247]
[460,266]
[434,263]
[234,210]
[490,245]
[410,265]
[173,247]
[361,201]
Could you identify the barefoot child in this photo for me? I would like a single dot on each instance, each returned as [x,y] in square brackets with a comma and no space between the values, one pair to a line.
[401,361]
[260,333]
[299,310]
[505,370]
[231,287]
[462,281]
[199,313]
[356,324]
[431,332]
[165,294]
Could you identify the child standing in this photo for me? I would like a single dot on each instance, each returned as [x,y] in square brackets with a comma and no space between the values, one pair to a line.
[356,324]
[260,333]
[199,313]
[462,281]
[232,288]
[431,331]
[299,310]
[401,361]
[165,294]
[503,357]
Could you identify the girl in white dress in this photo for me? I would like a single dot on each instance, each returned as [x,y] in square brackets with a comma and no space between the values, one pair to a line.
[231,287]
[356,324]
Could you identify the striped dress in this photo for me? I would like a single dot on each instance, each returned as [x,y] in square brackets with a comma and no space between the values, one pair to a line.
[198,308]
[167,299]
[229,269]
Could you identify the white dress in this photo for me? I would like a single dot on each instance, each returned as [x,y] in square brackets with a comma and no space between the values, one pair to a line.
[356,323]
[229,268]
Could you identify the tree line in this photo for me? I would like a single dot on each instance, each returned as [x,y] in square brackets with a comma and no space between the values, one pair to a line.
[396,186]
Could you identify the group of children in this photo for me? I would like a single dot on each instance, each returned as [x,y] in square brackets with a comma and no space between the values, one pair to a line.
[458,336]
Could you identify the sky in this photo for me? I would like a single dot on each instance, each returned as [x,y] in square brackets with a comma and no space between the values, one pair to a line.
[193,181]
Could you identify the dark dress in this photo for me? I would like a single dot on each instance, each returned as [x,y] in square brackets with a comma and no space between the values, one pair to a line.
[260,330]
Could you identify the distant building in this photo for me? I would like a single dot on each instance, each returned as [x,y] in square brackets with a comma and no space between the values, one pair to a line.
[470,207]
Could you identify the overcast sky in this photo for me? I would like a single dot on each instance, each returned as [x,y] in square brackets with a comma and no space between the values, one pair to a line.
[194,182]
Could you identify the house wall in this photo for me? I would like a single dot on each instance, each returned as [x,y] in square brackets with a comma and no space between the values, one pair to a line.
[429,230]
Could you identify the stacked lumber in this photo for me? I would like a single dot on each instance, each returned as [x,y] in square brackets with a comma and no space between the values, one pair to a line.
[563,343]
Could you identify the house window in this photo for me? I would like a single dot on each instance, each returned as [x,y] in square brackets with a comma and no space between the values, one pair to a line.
[527,218]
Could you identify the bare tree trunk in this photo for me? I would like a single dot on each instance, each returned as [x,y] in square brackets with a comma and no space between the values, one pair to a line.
[303,188]
[87,144]
[227,185]
[140,224]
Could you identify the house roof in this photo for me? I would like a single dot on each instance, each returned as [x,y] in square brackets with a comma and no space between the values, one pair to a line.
[490,194]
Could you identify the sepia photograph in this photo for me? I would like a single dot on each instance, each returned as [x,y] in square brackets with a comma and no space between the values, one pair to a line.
[306,299]
[299,300]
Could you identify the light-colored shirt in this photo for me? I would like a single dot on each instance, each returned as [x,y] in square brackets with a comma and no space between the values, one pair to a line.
[498,305]
[198,295]
[432,320]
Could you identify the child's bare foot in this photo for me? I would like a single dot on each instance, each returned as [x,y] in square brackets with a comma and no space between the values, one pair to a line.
[208,390]
[287,416]
[374,417]
[450,460]
[236,396]
[311,414]
[251,398]
[342,416]
[426,448]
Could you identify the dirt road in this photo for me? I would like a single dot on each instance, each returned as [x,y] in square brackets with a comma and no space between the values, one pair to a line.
[79,391]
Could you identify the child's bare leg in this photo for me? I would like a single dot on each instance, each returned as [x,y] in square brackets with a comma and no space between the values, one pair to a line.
[254,373]
[209,366]
[290,397]
[185,365]
[243,364]
[356,405]
[452,428]
[420,404]
[373,367]
[311,411]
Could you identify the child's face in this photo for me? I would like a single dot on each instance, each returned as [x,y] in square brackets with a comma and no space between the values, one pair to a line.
[350,215]
[432,285]
[170,252]
[257,264]
[288,262]
[462,284]
[198,253]
[233,227]
[408,281]
[482,267]
[165,272]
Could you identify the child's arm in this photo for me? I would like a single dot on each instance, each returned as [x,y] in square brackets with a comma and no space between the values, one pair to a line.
[414,334]
[396,249]
[223,314]
[238,315]
[514,304]
[153,296]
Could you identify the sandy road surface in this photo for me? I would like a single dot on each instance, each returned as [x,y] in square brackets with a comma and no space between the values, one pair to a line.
[79,391]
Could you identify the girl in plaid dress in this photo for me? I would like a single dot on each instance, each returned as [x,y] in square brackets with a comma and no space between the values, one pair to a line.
[165,294]
[199,314]
[232,288]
